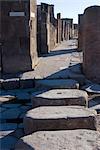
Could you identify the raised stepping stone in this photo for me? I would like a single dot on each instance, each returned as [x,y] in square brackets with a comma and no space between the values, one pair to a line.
[59,118]
[60,140]
[6,99]
[60,97]
[12,83]
[60,83]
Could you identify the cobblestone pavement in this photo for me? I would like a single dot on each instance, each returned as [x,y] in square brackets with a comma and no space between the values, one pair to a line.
[64,62]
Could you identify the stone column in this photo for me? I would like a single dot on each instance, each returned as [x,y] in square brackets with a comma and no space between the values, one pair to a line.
[91,42]
[58,28]
[80,30]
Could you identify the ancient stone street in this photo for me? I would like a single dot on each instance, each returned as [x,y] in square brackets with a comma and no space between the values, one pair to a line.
[59,70]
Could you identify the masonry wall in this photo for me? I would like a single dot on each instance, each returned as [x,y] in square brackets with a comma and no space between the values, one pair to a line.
[91,42]
[18,35]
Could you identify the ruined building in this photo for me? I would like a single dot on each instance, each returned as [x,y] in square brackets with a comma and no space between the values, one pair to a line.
[46,28]
[18,35]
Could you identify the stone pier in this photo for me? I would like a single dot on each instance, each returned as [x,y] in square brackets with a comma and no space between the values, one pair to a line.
[91,42]
[80,36]
[18,35]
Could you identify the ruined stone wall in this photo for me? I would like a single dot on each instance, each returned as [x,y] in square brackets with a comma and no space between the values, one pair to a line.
[91,42]
[18,38]
[80,31]
[47,29]
[59,28]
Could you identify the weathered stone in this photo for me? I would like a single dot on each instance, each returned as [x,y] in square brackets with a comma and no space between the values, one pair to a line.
[20,42]
[10,114]
[8,142]
[4,99]
[1,80]
[91,42]
[10,83]
[18,133]
[78,77]
[26,83]
[92,88]
[11,105]
[54,140]
[61,83]
[80,32]
[8,126]
[59,118]
[60,98]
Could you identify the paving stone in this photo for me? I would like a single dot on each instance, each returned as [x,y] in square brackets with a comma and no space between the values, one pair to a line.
[60,97]
[10,114]
[1,80]
[22,96]
[2,109]
[8,142]
[76,68]
[92,88]
[27,83]
[59,118]
[11,105]
[18,133]
[8,126]
[60,140]
[12,83]
[60,83]
[78,77]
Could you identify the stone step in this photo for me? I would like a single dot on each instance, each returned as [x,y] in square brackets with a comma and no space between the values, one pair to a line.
[58,83]
[62,140]
[59,97]
[59,118]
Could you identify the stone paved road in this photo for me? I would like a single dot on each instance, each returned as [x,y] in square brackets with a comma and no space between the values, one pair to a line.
[54,64]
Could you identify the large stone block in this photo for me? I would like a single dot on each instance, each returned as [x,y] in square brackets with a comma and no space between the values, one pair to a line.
[59,97]
[59,118]
[91,42]
[54,140]
[18,23]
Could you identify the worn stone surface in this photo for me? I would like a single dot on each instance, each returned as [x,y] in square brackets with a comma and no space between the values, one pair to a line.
[8,142]
[69,140]
[4,99]
[26,83]
[10,84]
[60,117]
[60,97]
[91,42]
[61,83]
